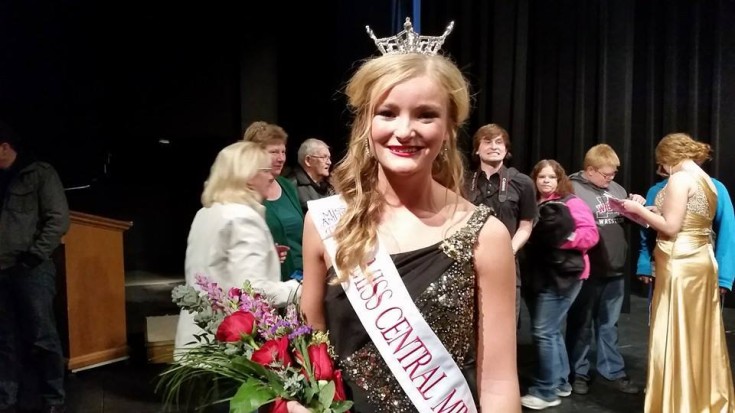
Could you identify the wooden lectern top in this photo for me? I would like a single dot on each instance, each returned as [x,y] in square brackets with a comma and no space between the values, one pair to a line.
[98,221]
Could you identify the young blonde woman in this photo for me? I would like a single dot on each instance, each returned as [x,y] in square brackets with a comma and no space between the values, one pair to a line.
[229,241]
[415,285]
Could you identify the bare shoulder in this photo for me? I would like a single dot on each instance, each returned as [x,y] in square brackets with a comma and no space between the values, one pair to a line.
[494,257]
[680,182]
[493,234]
[309,223]
[308,218]
[681,178]
[311,239]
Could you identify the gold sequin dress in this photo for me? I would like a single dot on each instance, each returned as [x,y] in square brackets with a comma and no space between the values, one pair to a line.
[441,280]
[688,364]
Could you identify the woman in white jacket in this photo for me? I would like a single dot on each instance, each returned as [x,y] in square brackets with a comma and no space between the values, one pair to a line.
[229,241]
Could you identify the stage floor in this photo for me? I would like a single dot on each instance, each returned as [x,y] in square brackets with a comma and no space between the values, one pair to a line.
[129,386]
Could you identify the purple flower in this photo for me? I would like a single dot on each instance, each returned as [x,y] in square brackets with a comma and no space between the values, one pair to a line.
[300,331]
[270,325]
[215,295]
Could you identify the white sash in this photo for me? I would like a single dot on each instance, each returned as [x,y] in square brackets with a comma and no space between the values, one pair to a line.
[415,355]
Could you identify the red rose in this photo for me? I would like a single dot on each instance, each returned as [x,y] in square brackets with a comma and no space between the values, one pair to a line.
[272,351]
[321,362]
[279,406]
[339,387]
[235,326]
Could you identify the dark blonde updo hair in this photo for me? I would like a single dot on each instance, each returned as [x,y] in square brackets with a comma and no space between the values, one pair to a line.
[264,134]
[677,147]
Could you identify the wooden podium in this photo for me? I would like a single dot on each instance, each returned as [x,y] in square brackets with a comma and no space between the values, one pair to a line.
[92,291]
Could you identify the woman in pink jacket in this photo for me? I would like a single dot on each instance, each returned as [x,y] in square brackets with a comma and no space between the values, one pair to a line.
[558,264]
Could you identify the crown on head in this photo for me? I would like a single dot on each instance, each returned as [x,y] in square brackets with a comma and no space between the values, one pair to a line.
[408,41]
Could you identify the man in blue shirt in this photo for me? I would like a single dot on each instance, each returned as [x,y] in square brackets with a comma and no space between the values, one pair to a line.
[723,227]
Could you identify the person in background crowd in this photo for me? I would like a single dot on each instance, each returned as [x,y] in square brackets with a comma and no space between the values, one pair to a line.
[688,362]
[283,211]
[508,192]
[311,176]
[600,300]
[229,241]
[558,263]
[723,227]
[33,218]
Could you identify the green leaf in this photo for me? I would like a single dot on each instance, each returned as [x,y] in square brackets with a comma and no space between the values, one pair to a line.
[310,392]
[253,369]
[341,406]
[302,346]
[250,396]
[326,394]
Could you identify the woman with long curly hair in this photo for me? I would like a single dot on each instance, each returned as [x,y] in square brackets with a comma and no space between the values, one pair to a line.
[435,272]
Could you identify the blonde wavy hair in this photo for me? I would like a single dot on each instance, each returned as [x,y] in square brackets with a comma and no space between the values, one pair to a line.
[234,166]
[677,147]
[356,175]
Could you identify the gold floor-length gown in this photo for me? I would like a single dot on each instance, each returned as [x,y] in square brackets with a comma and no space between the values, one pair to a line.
[688,365]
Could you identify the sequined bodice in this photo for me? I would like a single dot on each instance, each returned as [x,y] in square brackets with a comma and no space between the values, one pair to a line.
[441,279]
[700,209]
[697,203]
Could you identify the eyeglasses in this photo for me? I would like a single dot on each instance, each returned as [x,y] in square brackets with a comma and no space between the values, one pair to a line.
[323,157]
[607,176]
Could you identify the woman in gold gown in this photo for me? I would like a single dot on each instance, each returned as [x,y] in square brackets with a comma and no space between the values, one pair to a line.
[688,364]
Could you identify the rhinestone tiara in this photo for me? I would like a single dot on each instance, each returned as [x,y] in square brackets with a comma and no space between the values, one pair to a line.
[408,41]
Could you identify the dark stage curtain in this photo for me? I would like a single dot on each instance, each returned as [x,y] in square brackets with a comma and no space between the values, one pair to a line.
[563,75]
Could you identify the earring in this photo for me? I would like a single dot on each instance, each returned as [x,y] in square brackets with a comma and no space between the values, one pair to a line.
[444,154]
[367,149]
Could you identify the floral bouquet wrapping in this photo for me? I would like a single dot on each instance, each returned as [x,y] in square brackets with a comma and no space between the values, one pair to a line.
[267,357]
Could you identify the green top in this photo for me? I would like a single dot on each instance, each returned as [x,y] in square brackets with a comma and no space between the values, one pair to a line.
[285,220]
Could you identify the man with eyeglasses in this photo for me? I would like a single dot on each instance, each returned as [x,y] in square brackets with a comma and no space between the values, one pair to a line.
[599,302]
[311,176]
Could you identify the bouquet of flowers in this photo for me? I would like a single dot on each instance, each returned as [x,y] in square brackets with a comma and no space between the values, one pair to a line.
[269,357]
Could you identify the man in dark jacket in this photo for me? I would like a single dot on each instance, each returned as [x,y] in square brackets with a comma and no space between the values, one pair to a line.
[600,301]
[511,194]
[311,176]
[33,218]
